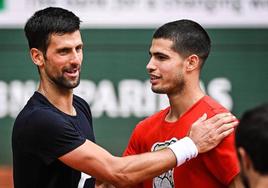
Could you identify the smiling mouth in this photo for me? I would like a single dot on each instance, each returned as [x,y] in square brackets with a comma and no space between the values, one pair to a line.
[154,79]
[72,72]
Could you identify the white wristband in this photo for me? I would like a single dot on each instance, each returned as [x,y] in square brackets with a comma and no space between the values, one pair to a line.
[184,150]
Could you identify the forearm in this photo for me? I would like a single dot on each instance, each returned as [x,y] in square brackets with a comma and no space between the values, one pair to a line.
[119,171]
[131,170]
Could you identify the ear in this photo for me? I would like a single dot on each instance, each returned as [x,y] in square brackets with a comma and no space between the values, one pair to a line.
[37,56]
[193,62]
[244,159]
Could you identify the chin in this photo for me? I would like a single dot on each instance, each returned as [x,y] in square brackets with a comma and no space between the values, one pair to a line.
[71,84]
[74,85]
[158,91]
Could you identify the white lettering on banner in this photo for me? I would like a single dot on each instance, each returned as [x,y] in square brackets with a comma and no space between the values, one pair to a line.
[220,88]
[132,97]
[105,100]
[86,90]
[150,100]
[3,99]
[135,97]
[145,13]
[19,93]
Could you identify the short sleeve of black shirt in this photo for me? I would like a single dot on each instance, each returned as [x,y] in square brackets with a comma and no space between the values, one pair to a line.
[53,137]
[48,134]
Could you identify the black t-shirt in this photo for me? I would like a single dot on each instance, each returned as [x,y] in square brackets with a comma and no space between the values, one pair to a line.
[41,134]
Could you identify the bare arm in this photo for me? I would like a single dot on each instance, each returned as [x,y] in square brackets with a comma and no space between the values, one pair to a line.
[126,171]
[119,171]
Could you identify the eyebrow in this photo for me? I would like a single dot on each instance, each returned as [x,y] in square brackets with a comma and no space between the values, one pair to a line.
[158,54]
[63,49]
[68,48]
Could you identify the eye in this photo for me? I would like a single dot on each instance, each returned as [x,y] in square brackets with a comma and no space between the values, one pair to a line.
[161,57]
[63,51]
[79,48]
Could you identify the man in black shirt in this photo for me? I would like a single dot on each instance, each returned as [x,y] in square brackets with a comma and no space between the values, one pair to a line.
[53,140]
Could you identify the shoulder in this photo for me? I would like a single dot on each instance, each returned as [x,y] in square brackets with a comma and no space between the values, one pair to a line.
[37,111]
[39,115]
[40,119]
[39,125]
[212,105]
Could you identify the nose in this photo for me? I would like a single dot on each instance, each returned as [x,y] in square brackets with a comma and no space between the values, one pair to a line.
[76,57]
[150,65]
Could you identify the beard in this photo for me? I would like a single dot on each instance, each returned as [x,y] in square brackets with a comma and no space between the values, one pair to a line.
[61,81]
[177,87]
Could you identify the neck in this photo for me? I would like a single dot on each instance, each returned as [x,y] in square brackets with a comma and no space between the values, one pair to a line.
[181,102]
[59,97]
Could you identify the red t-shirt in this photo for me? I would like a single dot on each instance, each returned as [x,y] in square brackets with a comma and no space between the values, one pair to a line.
[214,169]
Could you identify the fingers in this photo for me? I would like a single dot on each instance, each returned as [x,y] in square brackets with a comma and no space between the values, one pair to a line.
[225,133]
[198,122]
[202,118]
[226,127]
[220,118]
[211,131]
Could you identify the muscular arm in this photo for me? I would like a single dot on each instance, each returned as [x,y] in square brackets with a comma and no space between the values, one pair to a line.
[126,171]
[119,171]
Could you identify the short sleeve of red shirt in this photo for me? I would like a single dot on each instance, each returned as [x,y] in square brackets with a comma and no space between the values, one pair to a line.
[222,161]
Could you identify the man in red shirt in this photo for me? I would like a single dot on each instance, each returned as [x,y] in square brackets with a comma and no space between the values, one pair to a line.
[178,52]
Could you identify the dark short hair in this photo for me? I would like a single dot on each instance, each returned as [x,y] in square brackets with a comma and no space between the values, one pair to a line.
[188,38]
[252,135]
[45,22]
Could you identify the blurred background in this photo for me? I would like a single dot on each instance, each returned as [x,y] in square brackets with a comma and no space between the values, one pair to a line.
[117,36]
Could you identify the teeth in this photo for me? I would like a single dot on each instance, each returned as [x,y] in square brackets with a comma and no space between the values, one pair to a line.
[72,71]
